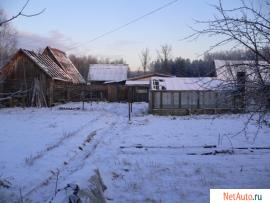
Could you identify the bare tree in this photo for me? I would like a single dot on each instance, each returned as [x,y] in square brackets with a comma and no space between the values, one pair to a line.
[8,40]
[145,59]
[245,27]
[164,56]
[20,13]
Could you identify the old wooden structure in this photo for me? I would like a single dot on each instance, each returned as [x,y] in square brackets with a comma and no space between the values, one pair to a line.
[182,96]
[28,79]
[32,79]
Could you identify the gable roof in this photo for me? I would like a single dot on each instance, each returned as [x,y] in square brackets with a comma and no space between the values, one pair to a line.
[227,69]
[107,72]
[138,83]
[65,63]
[144,80]
[149,75]
[46,64]
[182,83]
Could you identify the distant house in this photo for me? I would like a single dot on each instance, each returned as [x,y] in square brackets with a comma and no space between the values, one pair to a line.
[29,78]
[251,78]
[107,73]
[110,78]
[139,86]
[181,96]
[229,70]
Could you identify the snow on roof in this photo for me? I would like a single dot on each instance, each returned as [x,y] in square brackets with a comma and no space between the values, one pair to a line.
[47,65]
[107,72]
[149,75]
[137,82]
[181,83]
[65,63]
[227,69]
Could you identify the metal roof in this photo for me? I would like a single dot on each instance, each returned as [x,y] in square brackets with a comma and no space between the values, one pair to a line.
[107,72]
[149,75]
[47,65]
[65,63]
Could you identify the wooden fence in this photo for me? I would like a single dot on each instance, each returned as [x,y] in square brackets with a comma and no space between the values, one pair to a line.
[81,92]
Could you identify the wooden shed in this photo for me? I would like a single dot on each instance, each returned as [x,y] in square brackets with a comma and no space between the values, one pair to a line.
[182,96]
[28,79]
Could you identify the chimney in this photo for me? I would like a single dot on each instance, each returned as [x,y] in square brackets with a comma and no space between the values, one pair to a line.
[241,87]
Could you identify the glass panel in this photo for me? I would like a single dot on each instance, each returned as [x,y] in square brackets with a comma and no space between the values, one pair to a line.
[175,100]
[167,100]
[210,99]
[184,100]
[193,99]
[156,100]
[224,100]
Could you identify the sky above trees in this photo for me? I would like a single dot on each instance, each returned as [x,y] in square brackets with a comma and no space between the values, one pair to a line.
[66,24]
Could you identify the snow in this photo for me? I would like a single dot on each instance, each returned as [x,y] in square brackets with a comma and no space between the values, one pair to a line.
[137,82]
[107,72]
[182,83]
[148,159]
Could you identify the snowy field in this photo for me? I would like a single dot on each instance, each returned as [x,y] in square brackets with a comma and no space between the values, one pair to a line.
[150,159]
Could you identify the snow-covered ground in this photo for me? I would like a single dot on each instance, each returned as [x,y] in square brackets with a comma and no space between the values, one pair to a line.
[150,159]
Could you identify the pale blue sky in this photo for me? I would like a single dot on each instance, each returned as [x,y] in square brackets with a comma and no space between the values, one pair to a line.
[67,22]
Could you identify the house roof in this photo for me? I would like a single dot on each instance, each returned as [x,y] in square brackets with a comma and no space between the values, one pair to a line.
[45,63]
[227,69]
[107,72]
[181,83]
[137,82]
[65,63]
[149,75]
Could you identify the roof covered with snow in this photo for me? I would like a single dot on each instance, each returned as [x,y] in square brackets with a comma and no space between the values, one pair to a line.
[137,82]
[181,83]
[65,63]
[107,72]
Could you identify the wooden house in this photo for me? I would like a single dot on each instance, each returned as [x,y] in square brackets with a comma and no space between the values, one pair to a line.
[251,78]
[182,96]
[139,86]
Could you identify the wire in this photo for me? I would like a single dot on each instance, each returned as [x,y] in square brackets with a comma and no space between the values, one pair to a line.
[124,25]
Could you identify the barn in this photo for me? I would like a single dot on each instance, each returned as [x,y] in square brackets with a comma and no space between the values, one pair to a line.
[182,96]
[28,79]
[35,79]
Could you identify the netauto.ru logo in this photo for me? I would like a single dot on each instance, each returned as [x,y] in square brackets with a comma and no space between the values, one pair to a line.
[239,195]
